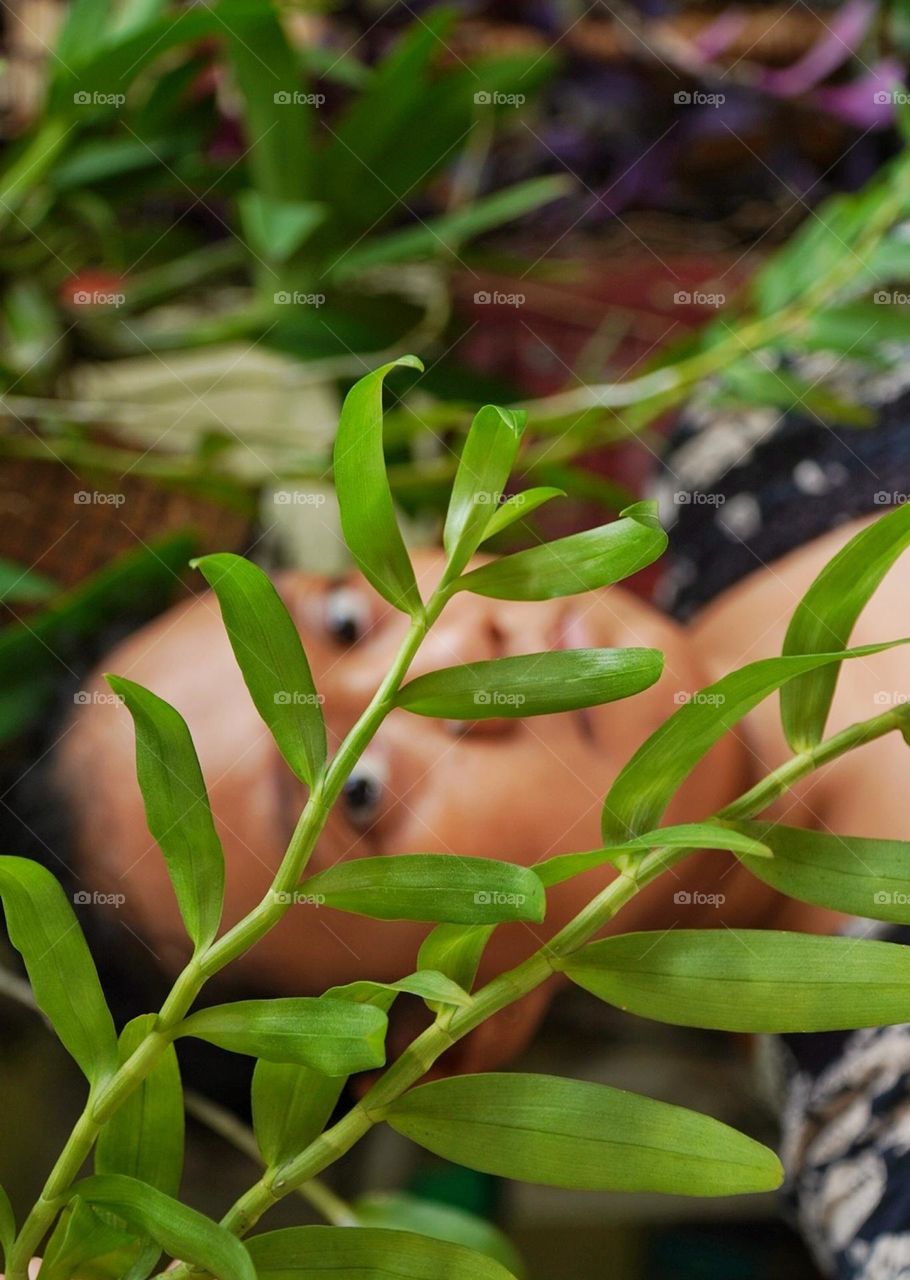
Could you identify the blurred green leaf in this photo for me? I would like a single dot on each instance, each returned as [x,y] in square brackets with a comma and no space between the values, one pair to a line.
[367,514]
[861,877]
[534,684]
[276,228]
[566,1133]
[647,783]
[7,1224]
[307,1253]
[396,1210]
[291,1106]
[268,650]
[19,585]
[485,464]
[44,930]
[144,1137]
[177,808]
[581,562]
[748,979]
[824,619]
[181,1232]
[694,835]
[430,886]
[336,1037]
[518,506]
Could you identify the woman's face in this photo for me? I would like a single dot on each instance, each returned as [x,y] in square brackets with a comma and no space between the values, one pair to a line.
[521,790]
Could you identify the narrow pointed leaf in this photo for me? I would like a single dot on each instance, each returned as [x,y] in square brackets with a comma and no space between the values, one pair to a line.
[433,887]
[748,979]
[646,785]
[144,1137]
[277,228]
[366,1253]
[268,650]
[367,513]
[692,835]
[581,562]
[398,1211]
[533,684]
[455,950]
[518,506]
[7,1224]
[180,1231]
[291,1106]
[43,928]
[824,618]
[336,1037]
[569,1133]
[858,876]
[82,1236]
[428,984]
[486,462]
[177,808]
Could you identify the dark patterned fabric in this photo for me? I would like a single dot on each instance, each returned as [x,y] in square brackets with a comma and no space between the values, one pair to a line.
[739,489]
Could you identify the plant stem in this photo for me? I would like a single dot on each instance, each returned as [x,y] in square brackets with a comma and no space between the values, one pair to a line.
[277,901]
[508,987]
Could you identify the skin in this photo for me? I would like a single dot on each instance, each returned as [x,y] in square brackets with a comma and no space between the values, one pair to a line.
[520,789]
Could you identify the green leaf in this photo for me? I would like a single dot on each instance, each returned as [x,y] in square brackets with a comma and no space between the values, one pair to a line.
[81,1236]
[692,835]
[533,684]
[566,1133]
[860,877]
[647,783]
[267,647]
[485,464]
[177,808]
[431,886]
[367,1253]
[748,979]
[519,506]
[144,1137]
[181,1232]
[277,228]
[445,233]
[43,928]
[336,1037]
[824,619]
[581,562]
[428,984]
[455,950]
[19,585]
[367,513]
[7,1224]
[399,1211]
[291,1106]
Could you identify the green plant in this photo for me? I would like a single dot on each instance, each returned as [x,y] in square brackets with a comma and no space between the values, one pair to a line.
[556,1131]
